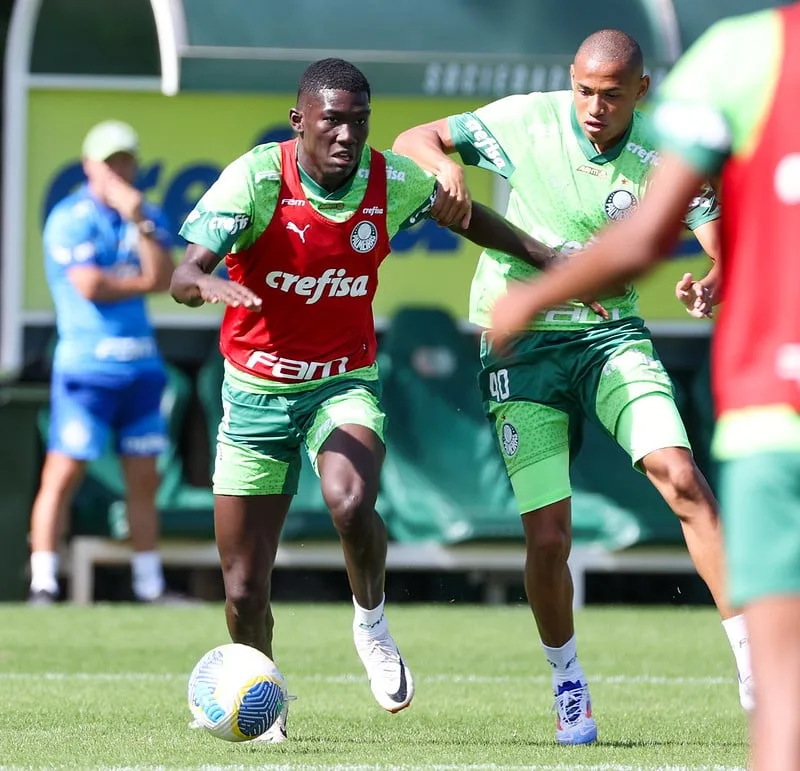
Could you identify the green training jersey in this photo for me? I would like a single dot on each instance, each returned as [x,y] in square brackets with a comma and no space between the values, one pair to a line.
[562,191]
[238,207]
[707,119]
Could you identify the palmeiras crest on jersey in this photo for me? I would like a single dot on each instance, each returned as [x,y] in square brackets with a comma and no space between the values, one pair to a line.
[510,440]
[364,236]
[620,204]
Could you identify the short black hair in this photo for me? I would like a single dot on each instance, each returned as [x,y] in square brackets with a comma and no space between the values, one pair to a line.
[613,45]
[334,74]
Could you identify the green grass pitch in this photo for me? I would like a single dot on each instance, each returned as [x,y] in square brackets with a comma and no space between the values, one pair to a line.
[105,687]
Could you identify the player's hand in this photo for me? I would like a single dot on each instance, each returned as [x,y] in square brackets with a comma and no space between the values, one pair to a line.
[214,289]
[453,205]
[695,297]
[597,308]
[121,195]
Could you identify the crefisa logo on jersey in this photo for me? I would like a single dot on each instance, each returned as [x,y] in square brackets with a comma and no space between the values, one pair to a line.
[620,204]
[364,236]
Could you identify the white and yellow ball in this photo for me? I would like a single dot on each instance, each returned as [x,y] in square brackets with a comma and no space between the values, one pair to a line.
[236,692]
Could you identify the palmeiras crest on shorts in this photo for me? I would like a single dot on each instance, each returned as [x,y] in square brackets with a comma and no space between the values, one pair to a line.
[510,439]
[364,236]
[620,204]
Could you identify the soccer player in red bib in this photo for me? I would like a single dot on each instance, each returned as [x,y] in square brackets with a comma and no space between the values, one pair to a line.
[303,226]
[731,104]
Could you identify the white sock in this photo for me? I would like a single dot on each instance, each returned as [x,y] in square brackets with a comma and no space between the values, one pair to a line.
[148,576]
[373,622]
[563,660]
[736,629]
[44,571]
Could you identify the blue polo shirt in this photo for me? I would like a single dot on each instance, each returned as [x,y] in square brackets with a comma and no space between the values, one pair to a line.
[111,338]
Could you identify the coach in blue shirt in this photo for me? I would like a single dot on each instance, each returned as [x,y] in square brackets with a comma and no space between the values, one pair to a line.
[105,249]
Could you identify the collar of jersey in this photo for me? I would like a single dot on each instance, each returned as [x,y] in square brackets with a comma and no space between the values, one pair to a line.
[316,190]
[588,148]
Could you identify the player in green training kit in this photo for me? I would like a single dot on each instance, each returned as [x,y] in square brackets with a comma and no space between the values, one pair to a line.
[303,227]
[730,104]
[577,161]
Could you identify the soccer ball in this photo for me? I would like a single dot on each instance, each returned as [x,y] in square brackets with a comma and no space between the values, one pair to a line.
[236,692]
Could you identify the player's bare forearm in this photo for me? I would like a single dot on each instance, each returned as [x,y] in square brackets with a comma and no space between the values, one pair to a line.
[193,284]
[156,263]
[712,281]
[428,145]
[99,286]
[623,252]
[197,264]
[491,231]
[616,259]
[627,249]
[709,238]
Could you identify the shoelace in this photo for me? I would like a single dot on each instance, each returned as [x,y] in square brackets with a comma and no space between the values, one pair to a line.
[570,704]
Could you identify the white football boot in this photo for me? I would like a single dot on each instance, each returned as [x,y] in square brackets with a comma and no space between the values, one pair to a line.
[573,706]
[389,678]
[277,731]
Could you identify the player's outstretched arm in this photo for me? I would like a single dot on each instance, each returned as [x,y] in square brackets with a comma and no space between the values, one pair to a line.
[624,251]
[490,230]
[429,145]
[192,282]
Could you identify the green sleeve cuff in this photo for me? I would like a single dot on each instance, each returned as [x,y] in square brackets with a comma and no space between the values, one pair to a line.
[422,212]
[215,231]
[702,159]
[462,140]
[694,221]
[477,146]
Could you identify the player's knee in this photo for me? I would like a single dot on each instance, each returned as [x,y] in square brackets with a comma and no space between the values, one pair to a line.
[350,503]
[548,543]
[142,478]
[677,475]
[60,476]
[248,598]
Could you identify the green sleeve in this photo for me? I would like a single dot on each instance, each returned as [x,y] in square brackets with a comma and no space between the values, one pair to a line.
[703,209]
[236,209]
[487,137]
[410,193]
[712,101]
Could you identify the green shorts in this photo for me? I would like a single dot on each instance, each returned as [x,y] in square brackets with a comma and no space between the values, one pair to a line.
[760,500]
[260,434]
[537,395]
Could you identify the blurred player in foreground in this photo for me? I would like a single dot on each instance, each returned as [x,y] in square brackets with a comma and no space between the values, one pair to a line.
[730,104]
